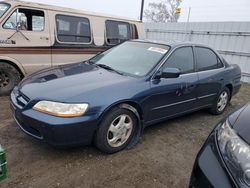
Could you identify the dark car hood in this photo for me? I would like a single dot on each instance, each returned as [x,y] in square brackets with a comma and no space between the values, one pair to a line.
[242,123]
[68,82]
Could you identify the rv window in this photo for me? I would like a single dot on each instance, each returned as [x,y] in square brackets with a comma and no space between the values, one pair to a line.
[117,32]
[27,19]
[3,8]
[73,29]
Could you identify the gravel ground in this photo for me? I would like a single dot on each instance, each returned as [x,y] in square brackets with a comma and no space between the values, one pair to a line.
[163,158]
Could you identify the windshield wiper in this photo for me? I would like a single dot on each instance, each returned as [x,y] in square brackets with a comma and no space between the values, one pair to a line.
[109,68]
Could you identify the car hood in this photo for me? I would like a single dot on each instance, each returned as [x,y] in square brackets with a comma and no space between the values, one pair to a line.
[72,83]
[242,123]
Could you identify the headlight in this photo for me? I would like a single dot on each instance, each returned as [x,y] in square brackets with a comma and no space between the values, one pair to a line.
[235,152]
[61,109]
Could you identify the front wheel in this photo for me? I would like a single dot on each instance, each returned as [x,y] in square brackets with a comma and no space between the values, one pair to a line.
[221,102]
[9,77]
[116,130]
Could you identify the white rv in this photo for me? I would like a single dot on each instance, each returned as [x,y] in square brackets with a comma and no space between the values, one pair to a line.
[35,36]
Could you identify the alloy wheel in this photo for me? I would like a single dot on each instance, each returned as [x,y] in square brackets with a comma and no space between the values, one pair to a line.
[222,101]
[4,79]
[120,130]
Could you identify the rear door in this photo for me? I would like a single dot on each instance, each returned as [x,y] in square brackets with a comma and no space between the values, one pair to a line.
[30,43]
[174,96]
[209,68]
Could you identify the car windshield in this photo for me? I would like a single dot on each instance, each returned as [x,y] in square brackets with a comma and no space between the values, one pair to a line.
[3,8]
[132,58]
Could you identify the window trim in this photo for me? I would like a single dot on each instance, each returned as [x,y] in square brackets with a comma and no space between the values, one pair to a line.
[90,28]
[106,38]
[15,9]
[216,54]
[194,62]
[171,50]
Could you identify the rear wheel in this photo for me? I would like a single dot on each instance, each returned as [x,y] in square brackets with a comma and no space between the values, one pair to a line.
[221,102]
[9,77]
[116,130]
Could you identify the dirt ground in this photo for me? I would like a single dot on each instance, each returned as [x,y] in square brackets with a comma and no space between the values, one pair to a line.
[163,158]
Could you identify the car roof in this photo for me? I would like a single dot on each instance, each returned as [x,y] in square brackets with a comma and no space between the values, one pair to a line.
[171,43]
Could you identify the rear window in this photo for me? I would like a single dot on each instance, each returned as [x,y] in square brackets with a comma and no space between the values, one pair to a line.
[207,59]
[3,8]
[73,29]
[117,32]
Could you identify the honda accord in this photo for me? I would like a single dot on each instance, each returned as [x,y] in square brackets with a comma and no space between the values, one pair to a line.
[109,99]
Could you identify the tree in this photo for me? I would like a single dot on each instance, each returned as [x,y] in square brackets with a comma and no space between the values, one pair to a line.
[164,11]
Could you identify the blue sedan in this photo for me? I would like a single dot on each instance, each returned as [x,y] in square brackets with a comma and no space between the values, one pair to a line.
[224,159]
[111,98]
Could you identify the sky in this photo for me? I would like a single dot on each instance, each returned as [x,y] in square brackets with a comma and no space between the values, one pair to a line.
[200,10]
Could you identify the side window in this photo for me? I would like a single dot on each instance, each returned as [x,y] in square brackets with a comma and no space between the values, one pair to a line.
[26,19]
[37,23]
[73,29]
[207,59]
[117,32]
[3,8]
[183,59]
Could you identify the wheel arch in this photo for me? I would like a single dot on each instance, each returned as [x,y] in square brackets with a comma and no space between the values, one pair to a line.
[14,63]
[136,109]
[127,104]
[230,87]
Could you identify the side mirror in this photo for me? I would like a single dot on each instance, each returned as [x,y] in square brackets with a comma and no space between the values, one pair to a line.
[170,73]
[21,22]
[18,26]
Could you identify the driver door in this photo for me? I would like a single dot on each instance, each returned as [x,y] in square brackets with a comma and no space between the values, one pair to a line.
[173,96]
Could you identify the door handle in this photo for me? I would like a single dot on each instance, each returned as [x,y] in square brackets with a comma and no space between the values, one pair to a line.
[187,89]
[44,38]
[192,86]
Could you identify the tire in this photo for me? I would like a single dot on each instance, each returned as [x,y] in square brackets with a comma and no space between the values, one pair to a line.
[116,130]
[9,78]
[221,102]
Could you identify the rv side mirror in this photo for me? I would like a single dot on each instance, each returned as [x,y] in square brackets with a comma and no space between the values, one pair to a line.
[170,73]
[18,26]
[21,22]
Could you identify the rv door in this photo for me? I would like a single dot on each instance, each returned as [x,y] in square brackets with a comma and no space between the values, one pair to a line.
[26,32]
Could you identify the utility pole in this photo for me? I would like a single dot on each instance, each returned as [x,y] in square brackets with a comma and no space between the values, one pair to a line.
[187,37]
[142,8]
[189,11]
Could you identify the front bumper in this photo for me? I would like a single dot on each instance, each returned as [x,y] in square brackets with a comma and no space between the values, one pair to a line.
[56,131]
[209,168]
